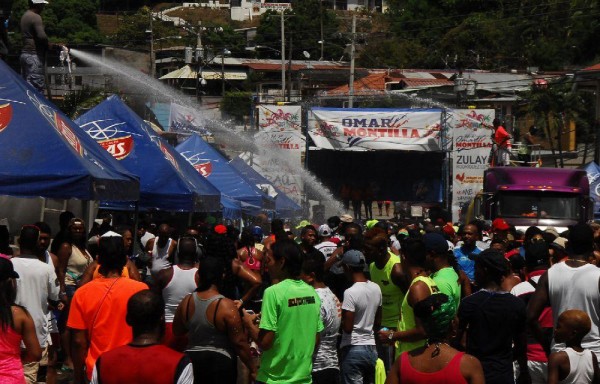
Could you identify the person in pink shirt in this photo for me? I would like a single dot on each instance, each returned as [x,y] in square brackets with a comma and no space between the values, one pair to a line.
[16,325]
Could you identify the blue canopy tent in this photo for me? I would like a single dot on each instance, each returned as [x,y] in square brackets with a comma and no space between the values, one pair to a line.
[167,181]
[216,169]
[284,206]
[45,154]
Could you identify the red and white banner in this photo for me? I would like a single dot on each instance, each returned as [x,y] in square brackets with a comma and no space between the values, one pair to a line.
[186,119]
[471,132]
[368,129]
[279,117]
[280,145]
[279,155]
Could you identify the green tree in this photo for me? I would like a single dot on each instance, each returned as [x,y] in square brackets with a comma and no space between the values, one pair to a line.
[237,105]
[66,21]
[303,26]
[552,106]
[132,30]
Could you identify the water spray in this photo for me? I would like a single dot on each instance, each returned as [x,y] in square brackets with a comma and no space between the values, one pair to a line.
[144,84]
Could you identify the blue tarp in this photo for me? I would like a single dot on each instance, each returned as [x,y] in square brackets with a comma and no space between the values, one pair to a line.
[45,154]
[593,173]
[167,181]
[284,206]
[212,165]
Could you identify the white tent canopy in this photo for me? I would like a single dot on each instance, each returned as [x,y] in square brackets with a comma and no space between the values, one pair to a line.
[187,72]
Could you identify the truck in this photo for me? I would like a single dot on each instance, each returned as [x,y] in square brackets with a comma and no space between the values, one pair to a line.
[542,197]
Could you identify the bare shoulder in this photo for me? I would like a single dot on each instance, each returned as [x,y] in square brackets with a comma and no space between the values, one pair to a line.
[470,361]
[557,358]
[470,367]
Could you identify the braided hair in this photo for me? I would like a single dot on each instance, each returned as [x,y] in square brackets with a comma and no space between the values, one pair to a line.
[436,313]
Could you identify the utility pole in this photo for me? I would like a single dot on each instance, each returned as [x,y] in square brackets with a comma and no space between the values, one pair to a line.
[289,83]
[199,58]
[152,59]
[322,39]
[223,73]
[282,56]
[352,54]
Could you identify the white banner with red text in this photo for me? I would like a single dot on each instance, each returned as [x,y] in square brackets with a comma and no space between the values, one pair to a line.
[377,128]
[471,132]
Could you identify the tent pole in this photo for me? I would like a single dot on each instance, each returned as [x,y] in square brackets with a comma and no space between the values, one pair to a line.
[136,219]
[88,216]
[43,211]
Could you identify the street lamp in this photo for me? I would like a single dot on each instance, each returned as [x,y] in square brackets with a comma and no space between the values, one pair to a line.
[224,53]
[322,42]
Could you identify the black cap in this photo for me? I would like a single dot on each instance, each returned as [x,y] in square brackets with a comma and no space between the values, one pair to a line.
[435,242]
[6,269]
[492,259]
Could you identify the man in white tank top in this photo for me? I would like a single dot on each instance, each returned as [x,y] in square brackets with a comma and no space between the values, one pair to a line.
[175,283]
[571,284]
[161,249]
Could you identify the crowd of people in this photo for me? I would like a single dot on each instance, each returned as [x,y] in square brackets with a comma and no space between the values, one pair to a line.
[340,302]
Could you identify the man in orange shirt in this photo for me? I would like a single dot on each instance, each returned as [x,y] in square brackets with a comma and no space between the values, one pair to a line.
[502,141]
[98,310]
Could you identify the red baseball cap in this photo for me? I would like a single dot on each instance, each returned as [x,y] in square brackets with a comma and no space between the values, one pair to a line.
[500,224]
[221,229]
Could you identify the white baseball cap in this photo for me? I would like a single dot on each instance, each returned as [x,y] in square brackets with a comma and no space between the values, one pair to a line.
[39,1]
[324,230]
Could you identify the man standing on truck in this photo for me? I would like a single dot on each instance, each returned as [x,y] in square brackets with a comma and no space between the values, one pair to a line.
[502,142]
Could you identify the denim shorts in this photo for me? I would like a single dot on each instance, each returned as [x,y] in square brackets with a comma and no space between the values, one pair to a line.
[358,364]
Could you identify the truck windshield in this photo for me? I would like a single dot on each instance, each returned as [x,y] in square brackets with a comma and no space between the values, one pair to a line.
[537,204]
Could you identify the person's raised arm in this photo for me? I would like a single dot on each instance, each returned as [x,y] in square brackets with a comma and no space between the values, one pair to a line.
[538,302]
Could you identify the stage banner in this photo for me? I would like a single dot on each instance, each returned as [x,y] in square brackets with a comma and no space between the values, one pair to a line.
[279,159]
[279,117]
[368,129]
[186,119]
[471,131]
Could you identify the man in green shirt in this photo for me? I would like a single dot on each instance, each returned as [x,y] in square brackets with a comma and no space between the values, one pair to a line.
[290,319]
[438,258]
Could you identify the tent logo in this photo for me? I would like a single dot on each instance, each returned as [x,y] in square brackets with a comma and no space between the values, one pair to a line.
[168,155]
[6,113]
[201,165]
[205,169]
[68,134]
[107,134]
